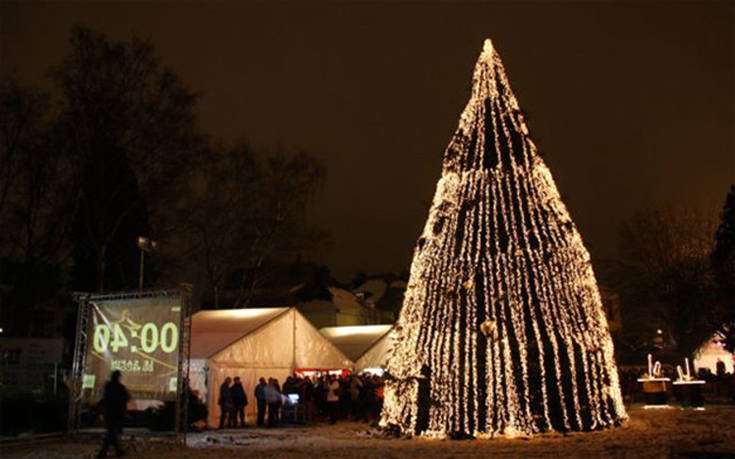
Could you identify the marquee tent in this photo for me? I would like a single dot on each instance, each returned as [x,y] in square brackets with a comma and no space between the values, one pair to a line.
[254,343]
[366,345]
[712,350]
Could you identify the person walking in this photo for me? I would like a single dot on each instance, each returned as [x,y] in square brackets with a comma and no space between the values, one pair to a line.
[240,401]
[333,389]
[114,403]
[261,401]
[226,405]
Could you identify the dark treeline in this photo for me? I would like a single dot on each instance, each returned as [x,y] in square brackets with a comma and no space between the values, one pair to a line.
[114,152]
[675,272]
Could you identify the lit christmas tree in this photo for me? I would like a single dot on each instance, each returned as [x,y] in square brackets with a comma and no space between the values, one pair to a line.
[502,330]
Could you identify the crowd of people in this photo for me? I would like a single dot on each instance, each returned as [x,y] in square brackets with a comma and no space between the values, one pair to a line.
[303,399]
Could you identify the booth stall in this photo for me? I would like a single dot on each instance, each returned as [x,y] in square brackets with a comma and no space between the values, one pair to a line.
[254,343]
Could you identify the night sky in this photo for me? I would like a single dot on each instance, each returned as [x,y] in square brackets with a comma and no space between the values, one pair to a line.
[631,105]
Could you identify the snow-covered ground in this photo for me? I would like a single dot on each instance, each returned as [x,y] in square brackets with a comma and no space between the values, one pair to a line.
[648,433]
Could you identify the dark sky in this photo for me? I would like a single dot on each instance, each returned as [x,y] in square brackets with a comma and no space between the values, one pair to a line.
[630,103]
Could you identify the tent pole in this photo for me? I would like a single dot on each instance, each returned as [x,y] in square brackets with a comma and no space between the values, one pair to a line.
[293,348]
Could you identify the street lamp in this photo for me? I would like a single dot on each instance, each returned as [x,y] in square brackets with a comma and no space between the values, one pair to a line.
[145,244]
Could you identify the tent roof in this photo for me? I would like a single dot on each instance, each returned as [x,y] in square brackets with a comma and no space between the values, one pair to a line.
[212,331]
[354,341]
[377,355]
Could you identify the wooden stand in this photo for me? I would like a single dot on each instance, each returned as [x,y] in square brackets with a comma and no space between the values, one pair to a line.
[654,392]
[689,394]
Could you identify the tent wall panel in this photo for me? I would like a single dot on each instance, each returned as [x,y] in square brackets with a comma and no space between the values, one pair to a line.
[377,355]
[312,350]
[268,346]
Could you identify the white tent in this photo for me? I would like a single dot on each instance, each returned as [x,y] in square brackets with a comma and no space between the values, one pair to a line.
[710,352]
[254,343]
[377,355]
[366,345]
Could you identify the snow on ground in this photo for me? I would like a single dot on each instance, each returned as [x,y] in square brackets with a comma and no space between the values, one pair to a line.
[648,434]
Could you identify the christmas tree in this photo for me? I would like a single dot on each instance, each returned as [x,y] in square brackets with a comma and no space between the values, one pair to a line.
[502,330]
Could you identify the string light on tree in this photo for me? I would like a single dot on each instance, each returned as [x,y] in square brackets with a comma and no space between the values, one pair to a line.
[502,309]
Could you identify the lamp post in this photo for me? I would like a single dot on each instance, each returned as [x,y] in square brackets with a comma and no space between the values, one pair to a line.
[145,244]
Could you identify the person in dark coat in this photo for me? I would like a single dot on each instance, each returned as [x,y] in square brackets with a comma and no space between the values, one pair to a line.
[306,396]
[114,403]
[260,399]
[226,405]
[240,400]
[423,400]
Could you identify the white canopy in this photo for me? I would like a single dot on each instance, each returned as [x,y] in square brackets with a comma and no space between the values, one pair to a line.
[366,345]
[254,343]
[212,331]
[377,355]
[710,352]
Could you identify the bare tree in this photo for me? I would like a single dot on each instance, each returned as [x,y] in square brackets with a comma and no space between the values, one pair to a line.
[665,277]
[247,213]
[128,121]
[34,204]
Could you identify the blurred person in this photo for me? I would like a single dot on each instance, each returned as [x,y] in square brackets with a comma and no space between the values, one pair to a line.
[273,397]
[333,389]
[260,399]
[355,389]
[379,396]
[240,401]
[720,368]
[423,400]
[114,403]
[367,398]
[307,396]
[226,405]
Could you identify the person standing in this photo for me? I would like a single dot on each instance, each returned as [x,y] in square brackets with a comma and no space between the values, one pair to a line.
[114,403]
[306,393]
[226,404]
[355,389]
[423,401]
[260,399]
[720,368]
[273,397]
[379,397]
[240,400]
[333,398]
